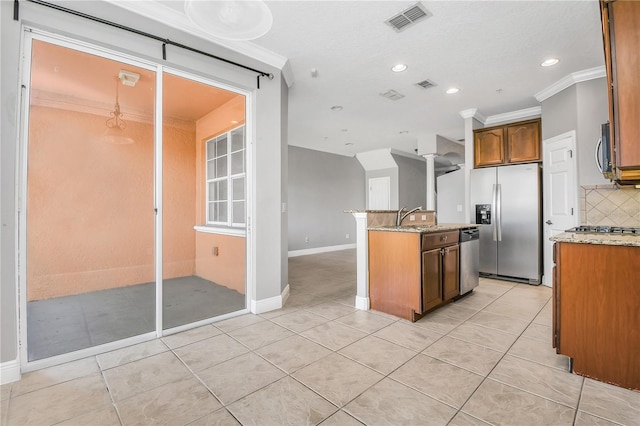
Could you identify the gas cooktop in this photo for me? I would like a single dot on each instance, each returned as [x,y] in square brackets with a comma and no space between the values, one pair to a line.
[587,229]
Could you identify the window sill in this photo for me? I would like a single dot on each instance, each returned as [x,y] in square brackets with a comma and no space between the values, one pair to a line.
[220,230]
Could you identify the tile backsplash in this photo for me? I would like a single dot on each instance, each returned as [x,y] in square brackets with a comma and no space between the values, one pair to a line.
[610,205]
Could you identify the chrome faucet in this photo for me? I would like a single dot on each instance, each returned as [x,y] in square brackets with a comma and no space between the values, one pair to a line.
[400,217]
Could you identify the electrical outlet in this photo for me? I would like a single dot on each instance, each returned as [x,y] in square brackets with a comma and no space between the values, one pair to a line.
[346,236]
[214,251]
[424,217]
[306,239]
[459,207]
[412,218]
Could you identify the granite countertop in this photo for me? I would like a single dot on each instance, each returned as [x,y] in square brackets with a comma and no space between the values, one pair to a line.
[424,228]
[604,239]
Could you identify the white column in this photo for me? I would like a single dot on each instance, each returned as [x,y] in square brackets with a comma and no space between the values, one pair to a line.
[362,261]
[472,120]
[431,181]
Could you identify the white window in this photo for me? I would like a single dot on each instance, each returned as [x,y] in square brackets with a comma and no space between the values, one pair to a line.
[226,179]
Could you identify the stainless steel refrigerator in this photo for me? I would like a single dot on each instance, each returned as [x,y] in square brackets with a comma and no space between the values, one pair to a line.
[506,203]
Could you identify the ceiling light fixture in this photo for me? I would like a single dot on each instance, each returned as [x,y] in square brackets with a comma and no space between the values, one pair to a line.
[452,90]
[230,20]
[550,62]
[349,144]
[336,108]
[116,125]
[399,68]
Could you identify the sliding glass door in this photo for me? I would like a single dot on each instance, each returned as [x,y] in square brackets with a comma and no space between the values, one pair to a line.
[90,201]
[132,224]
[203,151]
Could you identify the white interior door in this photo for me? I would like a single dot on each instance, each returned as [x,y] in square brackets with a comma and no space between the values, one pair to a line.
[380,193]
[560,192]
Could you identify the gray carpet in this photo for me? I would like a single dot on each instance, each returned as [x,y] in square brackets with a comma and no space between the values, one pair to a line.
[69,323]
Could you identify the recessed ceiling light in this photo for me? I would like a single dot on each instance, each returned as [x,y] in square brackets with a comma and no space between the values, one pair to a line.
[345,130]
[403,132]
[549,62]
[399,68]
[452,90]
[336,108]
[234,121]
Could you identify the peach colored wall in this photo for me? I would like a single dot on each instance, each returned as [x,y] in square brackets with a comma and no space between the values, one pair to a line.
[179,202]
[228,268]
[90,219]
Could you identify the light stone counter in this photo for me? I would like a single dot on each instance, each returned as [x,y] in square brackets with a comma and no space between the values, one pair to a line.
[603,238]
[424,229]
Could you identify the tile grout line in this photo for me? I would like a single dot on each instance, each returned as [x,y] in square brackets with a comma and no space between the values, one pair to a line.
[501,358]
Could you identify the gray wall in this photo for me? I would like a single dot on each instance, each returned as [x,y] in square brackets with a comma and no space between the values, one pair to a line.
[268,224]
[582,107]
[392,173]
[284,186]
[412,182]
[321,187]
[593,110]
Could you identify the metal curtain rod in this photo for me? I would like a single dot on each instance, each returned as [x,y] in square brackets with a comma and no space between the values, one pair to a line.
[165,41]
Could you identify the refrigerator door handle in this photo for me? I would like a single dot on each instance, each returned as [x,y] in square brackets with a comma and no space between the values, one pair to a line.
[494,204]
[499,211]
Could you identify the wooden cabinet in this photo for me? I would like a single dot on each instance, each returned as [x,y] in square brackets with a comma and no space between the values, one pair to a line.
[412,273]
[508,144]
[489,147]
[621,34]
[596,300]
[440,276]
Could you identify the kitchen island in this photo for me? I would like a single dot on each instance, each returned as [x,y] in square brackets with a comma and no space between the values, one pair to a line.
[413,269]
[596,305]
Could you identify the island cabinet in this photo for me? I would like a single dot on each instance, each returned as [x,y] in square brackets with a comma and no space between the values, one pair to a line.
[621,35]
[596,310]
[507,144]
[411,273]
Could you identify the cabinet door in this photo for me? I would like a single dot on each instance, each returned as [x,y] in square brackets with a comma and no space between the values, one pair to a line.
[451,272]
[431,279]
[523,142]
[489,147]
[625,39]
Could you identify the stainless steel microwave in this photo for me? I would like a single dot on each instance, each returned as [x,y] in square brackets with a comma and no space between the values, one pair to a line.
[604,161]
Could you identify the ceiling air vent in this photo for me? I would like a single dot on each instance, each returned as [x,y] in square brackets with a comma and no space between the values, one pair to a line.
[425,84]
[408,17]
[392,94]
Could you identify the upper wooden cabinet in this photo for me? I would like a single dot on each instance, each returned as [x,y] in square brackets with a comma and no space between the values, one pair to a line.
[621,34]
[507,144]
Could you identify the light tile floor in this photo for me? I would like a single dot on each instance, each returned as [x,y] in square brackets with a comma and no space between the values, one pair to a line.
[486,359]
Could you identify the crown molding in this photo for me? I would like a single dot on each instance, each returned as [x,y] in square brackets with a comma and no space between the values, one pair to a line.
[570,80]
[172,18]
[473,113]
[522,114]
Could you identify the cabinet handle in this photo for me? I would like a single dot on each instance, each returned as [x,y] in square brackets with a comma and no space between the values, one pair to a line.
[444,238]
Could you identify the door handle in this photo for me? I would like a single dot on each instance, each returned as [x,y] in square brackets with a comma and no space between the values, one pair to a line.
[549,222]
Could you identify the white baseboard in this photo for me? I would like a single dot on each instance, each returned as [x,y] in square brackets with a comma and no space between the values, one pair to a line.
[9,371]
[270,304]
[362,303]
[316,250]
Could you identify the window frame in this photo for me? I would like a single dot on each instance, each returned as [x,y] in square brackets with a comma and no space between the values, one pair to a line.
[228,178]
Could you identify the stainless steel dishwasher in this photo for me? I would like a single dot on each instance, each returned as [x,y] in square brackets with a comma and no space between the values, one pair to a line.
[469,259]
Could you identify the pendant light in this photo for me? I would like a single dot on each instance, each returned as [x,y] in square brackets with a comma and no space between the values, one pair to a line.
[116,125]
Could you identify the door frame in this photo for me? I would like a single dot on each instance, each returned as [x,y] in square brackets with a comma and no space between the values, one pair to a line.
[28,35]
[547,255]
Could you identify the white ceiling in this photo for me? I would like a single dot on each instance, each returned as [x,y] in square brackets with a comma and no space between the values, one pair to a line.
[491,50]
